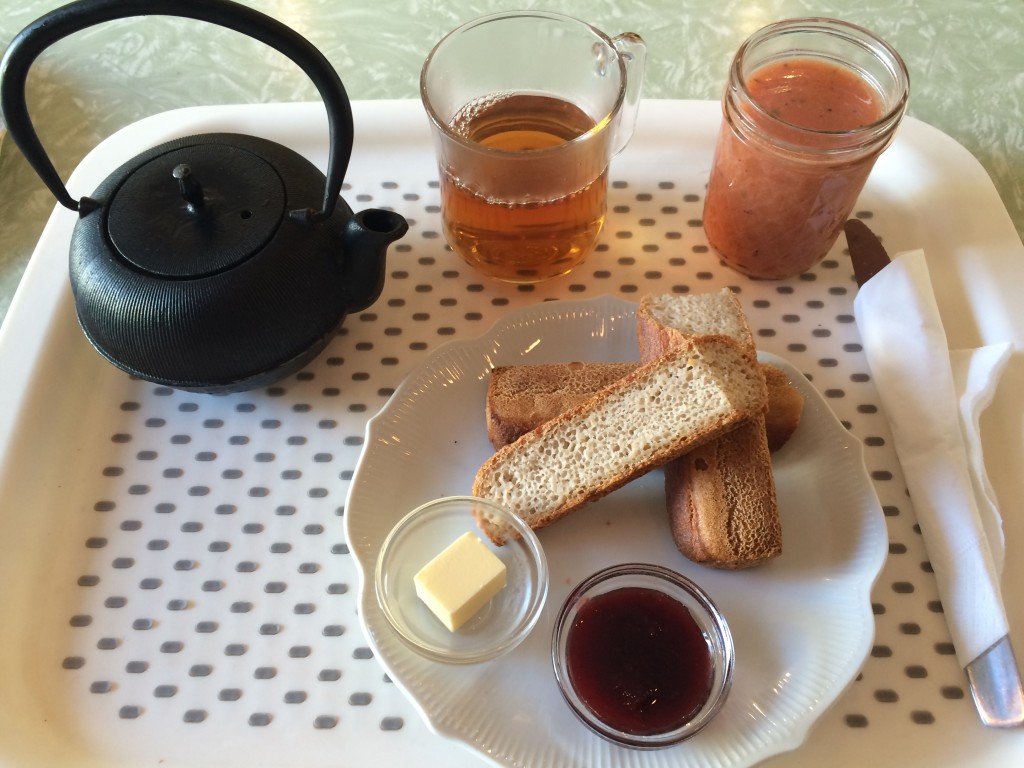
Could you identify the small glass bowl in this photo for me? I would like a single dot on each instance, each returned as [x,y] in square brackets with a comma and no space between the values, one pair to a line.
[709,619]
[496,628]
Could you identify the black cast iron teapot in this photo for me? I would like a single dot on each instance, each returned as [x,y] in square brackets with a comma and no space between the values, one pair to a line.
[217,262]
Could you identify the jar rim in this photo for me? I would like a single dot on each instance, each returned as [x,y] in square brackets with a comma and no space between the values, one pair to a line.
[843,141]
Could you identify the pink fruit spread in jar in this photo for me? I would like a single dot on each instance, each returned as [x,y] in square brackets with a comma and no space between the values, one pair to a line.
[801,134]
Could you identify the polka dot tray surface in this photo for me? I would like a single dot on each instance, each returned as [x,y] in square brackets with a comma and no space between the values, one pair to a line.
[177,585]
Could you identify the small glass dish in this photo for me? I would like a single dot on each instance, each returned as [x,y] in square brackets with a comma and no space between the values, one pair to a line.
[496,628]
[626,676]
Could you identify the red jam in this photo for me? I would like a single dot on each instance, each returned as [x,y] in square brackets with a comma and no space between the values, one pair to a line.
[639,661]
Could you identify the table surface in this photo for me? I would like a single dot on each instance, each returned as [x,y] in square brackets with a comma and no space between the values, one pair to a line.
[965,60]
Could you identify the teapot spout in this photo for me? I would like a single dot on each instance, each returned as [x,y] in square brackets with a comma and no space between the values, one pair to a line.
[366,239]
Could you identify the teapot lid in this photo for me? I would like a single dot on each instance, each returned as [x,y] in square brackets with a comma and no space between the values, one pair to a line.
[197,210]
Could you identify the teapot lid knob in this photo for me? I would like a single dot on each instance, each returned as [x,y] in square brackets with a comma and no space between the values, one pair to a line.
[191,190]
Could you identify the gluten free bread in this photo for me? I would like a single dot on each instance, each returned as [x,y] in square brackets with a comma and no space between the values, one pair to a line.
[695,392]
[664,320]
[522,397]
[721,499]
[785,406]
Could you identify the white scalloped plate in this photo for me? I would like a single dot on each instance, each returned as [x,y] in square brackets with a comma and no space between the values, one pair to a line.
[803,624]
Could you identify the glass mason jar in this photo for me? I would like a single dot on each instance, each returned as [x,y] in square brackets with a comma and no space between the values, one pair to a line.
[809,106]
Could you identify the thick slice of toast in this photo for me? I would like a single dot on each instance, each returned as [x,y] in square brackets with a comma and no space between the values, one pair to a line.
[721,500]
[663,319]
[695,392]
[785,405]
[522,397]
[721,497]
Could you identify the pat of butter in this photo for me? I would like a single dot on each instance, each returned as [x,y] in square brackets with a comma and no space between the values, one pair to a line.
[460,581]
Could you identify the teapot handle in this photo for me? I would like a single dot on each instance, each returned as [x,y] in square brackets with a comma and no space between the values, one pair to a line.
[64,21]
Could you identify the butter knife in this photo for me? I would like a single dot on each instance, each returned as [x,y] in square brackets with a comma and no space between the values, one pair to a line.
[994,676]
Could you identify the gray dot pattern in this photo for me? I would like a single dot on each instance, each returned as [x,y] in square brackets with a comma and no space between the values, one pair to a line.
[213,582]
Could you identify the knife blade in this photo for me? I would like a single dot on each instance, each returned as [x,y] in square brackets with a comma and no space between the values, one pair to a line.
[994,676]
[866,250]
[996,686]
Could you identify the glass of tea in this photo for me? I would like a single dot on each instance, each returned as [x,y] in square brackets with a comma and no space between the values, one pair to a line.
[809,106]
[527,109]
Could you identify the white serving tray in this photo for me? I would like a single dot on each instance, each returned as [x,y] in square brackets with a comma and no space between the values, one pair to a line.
[176,587]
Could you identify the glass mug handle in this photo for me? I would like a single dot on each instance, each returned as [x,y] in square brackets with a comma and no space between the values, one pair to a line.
[633,52]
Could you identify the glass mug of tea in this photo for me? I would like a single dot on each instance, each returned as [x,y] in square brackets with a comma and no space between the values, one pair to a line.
[527,109]
[809,106]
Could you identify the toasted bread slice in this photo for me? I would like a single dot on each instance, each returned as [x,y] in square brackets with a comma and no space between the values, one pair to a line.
[695,392]
[785,405]
[721,498]
[663,319]
[522,397]
[721,501]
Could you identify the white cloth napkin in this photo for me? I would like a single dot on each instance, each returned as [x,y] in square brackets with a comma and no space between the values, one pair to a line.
[933,399]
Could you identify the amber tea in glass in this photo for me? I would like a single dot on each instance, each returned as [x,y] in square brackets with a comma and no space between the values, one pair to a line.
[527,240]
[523,151]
